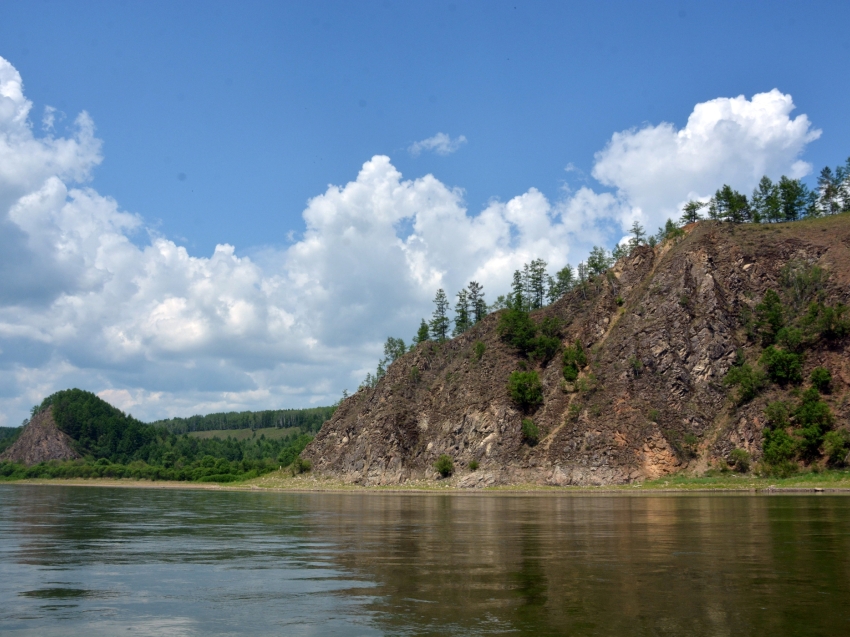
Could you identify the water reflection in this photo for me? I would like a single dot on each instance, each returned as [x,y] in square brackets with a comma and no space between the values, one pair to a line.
[413,564]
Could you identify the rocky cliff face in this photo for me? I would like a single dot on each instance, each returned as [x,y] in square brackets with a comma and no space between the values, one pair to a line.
[41,441]
[661,329]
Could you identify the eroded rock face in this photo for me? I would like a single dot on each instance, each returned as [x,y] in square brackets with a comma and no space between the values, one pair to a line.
[41,441]
[661,329]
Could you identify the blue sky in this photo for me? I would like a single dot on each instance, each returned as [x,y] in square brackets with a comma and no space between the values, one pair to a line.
[216,123]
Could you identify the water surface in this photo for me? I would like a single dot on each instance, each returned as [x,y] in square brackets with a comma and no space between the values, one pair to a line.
[108,561]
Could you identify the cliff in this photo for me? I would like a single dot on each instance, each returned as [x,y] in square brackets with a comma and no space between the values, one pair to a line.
[661,330]
[40,441]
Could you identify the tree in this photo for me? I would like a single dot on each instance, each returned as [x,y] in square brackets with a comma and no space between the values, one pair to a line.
[561,284]
[765,202]
[829,190]
[730,205]
[462,315]
[440,320]
[598,260]
[536,284]
[638,235]
[690,211]
[423,334]
[477,304]
[517,298]
[793,198]
[393,349]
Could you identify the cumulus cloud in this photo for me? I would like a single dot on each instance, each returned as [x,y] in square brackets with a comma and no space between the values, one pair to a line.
[726,140]
[440,143]
[158,331]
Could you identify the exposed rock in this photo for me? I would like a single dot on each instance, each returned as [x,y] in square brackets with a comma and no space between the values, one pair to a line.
[661,329]
[41,441]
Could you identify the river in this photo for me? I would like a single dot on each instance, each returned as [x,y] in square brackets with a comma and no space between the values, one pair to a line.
[114,561]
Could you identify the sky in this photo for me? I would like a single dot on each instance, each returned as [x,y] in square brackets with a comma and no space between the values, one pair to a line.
[210,206]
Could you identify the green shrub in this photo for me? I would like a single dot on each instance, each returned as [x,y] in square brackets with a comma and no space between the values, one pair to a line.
[790,338]
[783,367]
[525,389]
[301,465]
[748,380]
[814,418]
[827,322]
[769,317]
[517,329]
[740,458]
[545,348]
[414,374]
[473,465]
[654,415]
[836,446]
[821,379]
[777,447]
[574,359]
[444,465]
[530,431]
[478,350]
[636,365]
[619,301]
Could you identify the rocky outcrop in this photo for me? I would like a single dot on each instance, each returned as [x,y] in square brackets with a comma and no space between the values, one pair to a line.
[662,329]
[41,441]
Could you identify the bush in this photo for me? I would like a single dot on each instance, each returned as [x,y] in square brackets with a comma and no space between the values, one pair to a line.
[525,389]
[636,365]
[748,380]
[769,317]
[445,466]
[478,350]
[827,322]
[545,348]
[814,418]
[740,458]
[301,465]
[473,465]
[821,379]
[574,359]
[836,446]
[517,329]
[777,447]
[530,431]
[782,367]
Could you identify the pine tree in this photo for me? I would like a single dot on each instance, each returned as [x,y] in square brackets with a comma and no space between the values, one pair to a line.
[423,334]
[561,284]
[690,211]
[794,198]
[765,202]
[462,315]
[598,260]
[440,319]
[393,349]
[638,234]
[517,298]
[536,284]
[477,304]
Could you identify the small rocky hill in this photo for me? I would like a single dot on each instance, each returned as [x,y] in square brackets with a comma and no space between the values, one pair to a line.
[661,330]
[40,441]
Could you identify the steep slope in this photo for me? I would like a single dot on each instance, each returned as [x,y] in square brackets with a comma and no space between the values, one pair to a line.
[662,329]
[41,441]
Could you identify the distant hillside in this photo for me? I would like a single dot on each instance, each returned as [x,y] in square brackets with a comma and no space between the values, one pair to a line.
[309,420]
[108,443]
[724,345]
[8,435]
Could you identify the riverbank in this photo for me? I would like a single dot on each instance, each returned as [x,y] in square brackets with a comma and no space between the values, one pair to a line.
[836,481]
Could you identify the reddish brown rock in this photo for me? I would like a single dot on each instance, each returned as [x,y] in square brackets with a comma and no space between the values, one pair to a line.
[41,441]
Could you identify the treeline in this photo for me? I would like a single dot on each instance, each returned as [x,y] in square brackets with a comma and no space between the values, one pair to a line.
[114,444]
[308,420]
[8,436]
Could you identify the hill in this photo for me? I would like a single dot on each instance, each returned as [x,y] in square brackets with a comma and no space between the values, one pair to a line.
[308,420]
[74,433]
[725,345]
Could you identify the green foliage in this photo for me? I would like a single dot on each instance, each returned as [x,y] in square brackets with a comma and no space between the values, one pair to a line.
[827,322]
[748,380]
[740,458]
[574,360]
[309,420]
[530,432]
[8,436]
[516,328]
[463,316]
[778,447]
[444,465]
[439,324]
[836,446]
[814,419]
[545,348]
[423,334]
[414,374]
[783,367]
[478,350]
[790,338]
[473,465]
[301,465]
[653,415]
[636,365]
[802,283]
[619,301]
[729,205]
[769,317]
[690,211]
[821,379]
[525,389]
[600,260]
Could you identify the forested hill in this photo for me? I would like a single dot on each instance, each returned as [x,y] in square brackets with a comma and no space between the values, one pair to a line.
[308,420]
[102,441]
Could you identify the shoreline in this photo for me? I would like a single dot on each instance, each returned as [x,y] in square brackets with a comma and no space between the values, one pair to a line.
[802,484]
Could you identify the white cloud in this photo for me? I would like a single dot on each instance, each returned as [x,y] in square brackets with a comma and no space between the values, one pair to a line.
[160,332]
[726,140]
[440,143]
